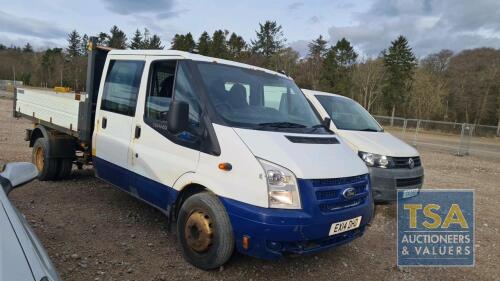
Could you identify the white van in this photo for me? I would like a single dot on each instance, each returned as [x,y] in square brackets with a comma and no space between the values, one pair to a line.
[393,164]
[233,153]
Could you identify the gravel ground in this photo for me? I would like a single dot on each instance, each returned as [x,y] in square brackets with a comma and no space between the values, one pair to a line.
[94,232]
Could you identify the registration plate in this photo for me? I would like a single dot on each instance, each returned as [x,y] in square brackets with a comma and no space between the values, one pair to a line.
[410,193]
[343,226]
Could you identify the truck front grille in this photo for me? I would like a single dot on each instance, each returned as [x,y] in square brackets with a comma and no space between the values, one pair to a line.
[329,195]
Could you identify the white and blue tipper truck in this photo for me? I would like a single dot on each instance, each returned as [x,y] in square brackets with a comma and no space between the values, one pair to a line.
[233,153]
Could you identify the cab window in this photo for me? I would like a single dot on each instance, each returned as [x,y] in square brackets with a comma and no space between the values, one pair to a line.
[121,86]
[161,90]
[169,80]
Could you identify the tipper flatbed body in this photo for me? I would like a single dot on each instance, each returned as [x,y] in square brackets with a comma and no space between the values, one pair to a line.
[233,153]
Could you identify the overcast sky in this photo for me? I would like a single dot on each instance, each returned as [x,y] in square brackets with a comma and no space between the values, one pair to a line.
[370,25]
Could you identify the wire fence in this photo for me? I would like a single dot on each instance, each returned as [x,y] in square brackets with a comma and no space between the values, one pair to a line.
[459,138]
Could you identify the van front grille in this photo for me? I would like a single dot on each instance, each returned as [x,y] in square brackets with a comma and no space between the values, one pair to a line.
[329,192]
[403,162]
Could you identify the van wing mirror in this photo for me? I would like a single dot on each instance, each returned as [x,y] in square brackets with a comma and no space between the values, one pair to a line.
[17,174]
[326,122]
[178,117]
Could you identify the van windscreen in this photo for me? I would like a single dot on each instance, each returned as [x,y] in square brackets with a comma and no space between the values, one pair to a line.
[256,99]
[347,114]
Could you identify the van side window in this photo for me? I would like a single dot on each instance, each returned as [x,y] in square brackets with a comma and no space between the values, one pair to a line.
[161,89]
[121,86]
[184,92]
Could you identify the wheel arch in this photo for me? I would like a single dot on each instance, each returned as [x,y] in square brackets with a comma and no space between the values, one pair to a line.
[39,132]
[186,192]
[60,145]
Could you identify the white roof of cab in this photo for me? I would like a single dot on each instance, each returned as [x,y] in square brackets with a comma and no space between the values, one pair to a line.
[190,56]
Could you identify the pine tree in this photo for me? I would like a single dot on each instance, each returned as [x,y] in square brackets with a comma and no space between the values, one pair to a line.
[317,48]
[117,38]
[84,47]
[74,44]
[154,43]
[183,42]
[218,48]
[236,45]
[28,48]
[136,42]
[337,68]
[102,38]
[204,43]
[400,63]
[270,39]
[146,39]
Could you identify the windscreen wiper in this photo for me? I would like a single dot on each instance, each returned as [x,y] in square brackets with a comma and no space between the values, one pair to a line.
[281,125]
[368,130]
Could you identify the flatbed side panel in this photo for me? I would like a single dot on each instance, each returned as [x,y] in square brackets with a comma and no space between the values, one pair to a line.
[49,106]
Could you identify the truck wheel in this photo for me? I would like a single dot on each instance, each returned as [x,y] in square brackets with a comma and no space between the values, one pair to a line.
[204,231]
[64,168]
[47,168]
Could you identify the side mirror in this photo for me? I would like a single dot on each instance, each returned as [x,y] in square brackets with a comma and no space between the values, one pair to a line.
[178,117]
[326,122]
[17,174]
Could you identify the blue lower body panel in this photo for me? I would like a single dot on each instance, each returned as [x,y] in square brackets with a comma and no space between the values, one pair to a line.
[274,233]
[150,191]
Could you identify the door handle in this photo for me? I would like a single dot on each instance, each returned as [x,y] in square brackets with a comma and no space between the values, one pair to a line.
[104,122]
[137,132]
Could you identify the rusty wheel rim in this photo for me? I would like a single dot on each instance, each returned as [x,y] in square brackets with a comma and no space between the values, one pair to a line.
[198,231]
[39,158]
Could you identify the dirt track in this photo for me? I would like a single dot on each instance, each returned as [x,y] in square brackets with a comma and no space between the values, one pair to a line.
[94,232]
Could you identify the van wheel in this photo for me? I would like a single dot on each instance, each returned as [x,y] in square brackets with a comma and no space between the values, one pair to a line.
[64,168]
[47,168]
[204,231]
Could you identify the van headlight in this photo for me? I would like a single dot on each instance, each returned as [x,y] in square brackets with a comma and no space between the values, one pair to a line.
[376,160]
[283,192]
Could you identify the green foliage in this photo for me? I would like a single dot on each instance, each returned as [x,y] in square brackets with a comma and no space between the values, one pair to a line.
[83,46]
[117,38]
[74,44]
[28,48]
[218,47]
[270,39]
[400,63]
[183,42]
[236,46]
[337,68]
[317,48]
[136,42]
[154,43]
[204,43]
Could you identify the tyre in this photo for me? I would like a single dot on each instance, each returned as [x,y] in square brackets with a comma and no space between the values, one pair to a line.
[64,168]
[204,231]
[47,168]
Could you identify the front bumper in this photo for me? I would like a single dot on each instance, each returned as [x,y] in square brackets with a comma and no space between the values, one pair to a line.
[386,182]
[276,232]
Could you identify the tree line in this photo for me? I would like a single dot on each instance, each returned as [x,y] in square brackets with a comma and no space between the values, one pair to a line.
[461,87]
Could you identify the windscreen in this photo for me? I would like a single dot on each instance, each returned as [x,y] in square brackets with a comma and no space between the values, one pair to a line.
[347,114]
[256,99]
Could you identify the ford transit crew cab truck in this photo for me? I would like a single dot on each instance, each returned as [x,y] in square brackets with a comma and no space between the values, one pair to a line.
[393,164]
[233,153]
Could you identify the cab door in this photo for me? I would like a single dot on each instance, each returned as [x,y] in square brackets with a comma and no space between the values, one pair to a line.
[160,157]
[114,122]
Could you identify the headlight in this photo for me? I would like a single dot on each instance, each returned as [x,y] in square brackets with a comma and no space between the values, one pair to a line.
[282,188]
[376,160]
